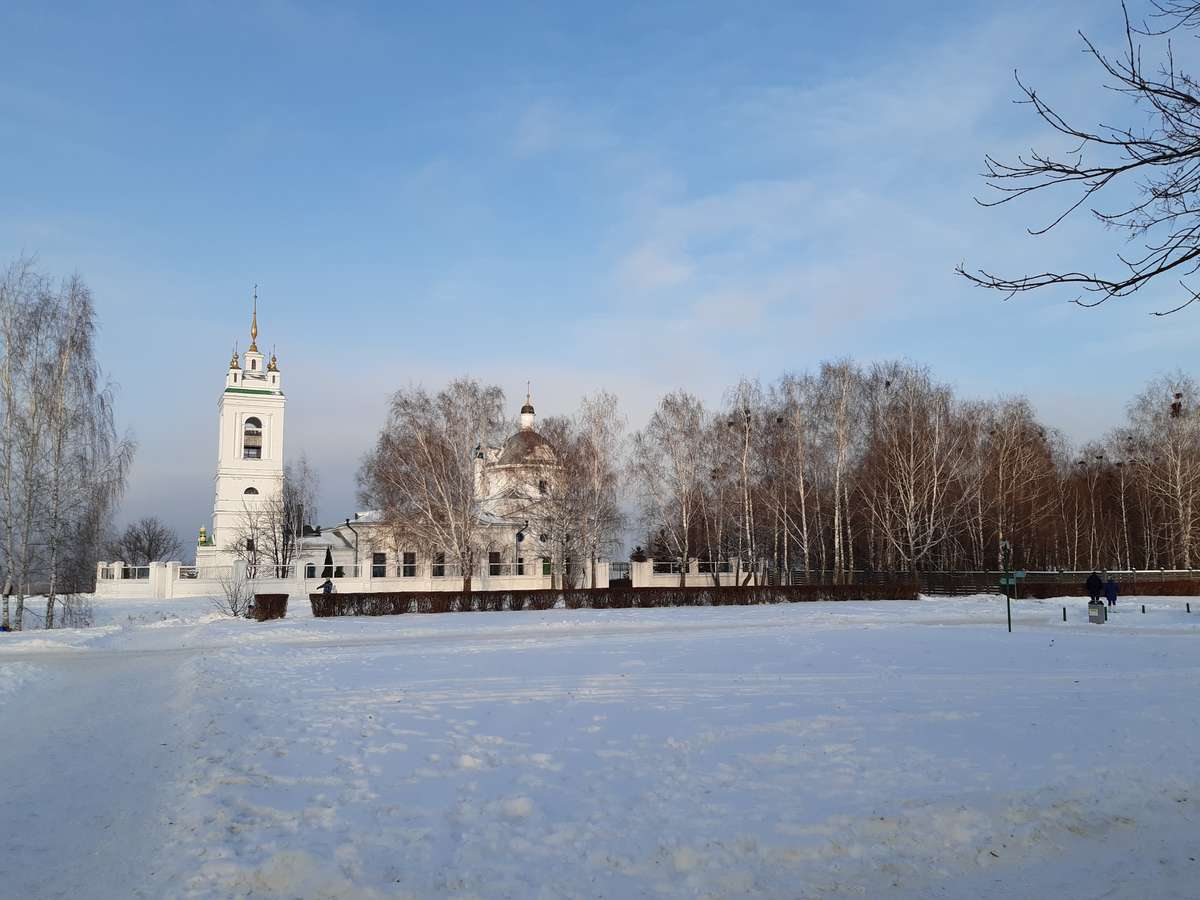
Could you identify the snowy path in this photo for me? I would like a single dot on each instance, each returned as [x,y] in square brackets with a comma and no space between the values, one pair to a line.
[89,758]
[840,750]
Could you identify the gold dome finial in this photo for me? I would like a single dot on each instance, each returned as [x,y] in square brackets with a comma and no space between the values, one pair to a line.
[233,363]
[254,323]
[273,366]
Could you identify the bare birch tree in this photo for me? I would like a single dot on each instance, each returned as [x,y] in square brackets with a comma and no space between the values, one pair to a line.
[581,514]
[841,388]
[746,423]
[666,469]
[88,462]
[421,476]
[921,447]
[793,407]
[62,464]
[1165,417]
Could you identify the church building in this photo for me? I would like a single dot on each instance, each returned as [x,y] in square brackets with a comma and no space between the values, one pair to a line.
[516,481]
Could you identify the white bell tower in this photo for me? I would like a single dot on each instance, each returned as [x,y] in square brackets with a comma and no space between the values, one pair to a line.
[249,446]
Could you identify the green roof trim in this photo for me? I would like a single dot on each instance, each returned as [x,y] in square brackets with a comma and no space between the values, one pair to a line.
[233,390]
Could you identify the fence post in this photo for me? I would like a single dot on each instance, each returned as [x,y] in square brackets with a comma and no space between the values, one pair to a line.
[172,579]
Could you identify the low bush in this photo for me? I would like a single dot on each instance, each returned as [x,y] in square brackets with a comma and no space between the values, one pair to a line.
[1128,586]
[383,604]
[433,602]
[540,601]
[269,606]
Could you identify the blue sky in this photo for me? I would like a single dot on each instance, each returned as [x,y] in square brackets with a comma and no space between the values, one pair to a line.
[632,197]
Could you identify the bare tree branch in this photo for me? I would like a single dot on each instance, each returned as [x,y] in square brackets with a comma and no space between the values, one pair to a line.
[1160,161]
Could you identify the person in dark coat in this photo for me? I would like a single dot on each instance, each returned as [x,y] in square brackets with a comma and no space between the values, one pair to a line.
[1095,587]
[1110,591]
[327,587]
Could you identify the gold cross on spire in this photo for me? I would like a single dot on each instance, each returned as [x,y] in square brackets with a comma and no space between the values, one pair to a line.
[254,323]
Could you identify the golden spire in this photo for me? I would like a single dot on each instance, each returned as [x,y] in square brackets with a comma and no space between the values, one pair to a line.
[272,366]
[233,363]
[254,323]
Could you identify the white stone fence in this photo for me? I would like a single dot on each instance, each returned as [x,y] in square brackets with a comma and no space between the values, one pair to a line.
[699,573]
[166,580]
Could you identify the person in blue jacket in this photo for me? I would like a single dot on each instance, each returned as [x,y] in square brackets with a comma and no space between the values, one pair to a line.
[1110,591]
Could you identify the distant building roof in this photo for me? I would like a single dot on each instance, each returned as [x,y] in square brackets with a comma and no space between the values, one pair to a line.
[527,447]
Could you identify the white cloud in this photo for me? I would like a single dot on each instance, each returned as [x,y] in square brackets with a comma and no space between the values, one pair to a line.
[549,126]
[651,266]
[538,130]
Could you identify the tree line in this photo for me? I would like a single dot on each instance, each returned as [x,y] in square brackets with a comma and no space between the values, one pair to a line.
[848,468]
[884,468]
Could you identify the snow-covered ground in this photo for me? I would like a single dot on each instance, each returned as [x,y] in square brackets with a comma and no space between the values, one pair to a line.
[807,750]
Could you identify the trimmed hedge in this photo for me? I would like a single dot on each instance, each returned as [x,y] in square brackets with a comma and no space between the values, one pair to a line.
[390,604]
[1129,587]
[269,606]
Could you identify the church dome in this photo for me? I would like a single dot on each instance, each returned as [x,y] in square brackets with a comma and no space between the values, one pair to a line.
[527,447]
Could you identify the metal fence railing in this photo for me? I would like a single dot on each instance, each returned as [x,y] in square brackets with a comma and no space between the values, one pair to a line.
[124,573]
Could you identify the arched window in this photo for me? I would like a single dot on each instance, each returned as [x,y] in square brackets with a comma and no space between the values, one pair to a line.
[252,439]
[251,491]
